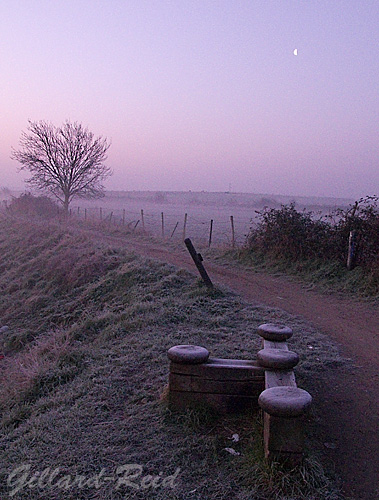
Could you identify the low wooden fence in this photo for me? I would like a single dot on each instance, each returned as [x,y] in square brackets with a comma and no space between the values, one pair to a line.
[218,230]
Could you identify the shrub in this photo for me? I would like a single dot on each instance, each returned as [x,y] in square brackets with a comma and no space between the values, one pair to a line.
[30,205]
[288,234]
[363,218]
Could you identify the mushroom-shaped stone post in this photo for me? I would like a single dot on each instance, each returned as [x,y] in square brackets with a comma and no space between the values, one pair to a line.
[274,332]
[188,354]
[184,363]
[284,409]
[277,359]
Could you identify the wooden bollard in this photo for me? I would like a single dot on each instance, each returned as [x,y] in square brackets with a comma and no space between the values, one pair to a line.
[283,403]
[284,408]
[277,359]
[275,332]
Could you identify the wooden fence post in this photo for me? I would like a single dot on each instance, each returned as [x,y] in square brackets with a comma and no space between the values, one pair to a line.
[162,224]
[352,250]
[176,225]
[198,260]
[233,235]
[184,226]
[143,220]
[101,213]
[85,214]
[210,233]
[123,217]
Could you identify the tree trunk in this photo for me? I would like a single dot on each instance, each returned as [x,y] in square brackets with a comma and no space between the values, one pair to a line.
[66,203]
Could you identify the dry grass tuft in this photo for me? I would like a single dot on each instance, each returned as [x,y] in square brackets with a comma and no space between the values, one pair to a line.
[26,375]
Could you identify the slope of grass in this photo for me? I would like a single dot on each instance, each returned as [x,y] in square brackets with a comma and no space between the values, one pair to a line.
[327,276]
[85,368]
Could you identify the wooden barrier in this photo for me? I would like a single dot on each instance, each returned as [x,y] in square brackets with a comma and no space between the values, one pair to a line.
[232,385]
[226,385]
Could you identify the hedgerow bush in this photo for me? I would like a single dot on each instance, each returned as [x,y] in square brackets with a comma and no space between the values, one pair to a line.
[363,218]
[287,234]
[30,205]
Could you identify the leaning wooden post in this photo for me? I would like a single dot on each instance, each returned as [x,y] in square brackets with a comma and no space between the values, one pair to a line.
[143,220]
[176,225]
[233,235]
[85,214]
[210,233]
[162,216]
[101,213]
[352,250]
[198,260]
[184,226]
[123,217]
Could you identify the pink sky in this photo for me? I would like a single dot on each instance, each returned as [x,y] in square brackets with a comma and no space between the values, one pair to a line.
[202,94]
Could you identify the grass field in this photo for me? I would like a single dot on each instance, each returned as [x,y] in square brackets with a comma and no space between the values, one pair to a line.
[85,370]
[200,207]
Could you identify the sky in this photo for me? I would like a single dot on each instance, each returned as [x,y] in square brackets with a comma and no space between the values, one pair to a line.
[202,94]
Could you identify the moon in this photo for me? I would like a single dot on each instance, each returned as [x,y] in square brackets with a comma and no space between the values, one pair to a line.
[295,52]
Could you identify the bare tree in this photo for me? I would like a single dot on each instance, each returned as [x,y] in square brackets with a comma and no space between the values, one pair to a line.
[65,162]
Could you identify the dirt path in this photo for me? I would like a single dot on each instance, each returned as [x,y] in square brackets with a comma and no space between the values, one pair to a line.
[349,403]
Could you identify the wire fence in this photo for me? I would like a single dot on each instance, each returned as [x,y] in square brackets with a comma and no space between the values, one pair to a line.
[221,230]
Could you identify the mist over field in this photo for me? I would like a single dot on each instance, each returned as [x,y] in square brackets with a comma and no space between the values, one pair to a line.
[198,208]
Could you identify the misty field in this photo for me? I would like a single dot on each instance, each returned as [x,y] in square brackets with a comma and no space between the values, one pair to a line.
[305,237]
[85,369]
[194,210]
[124,208]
